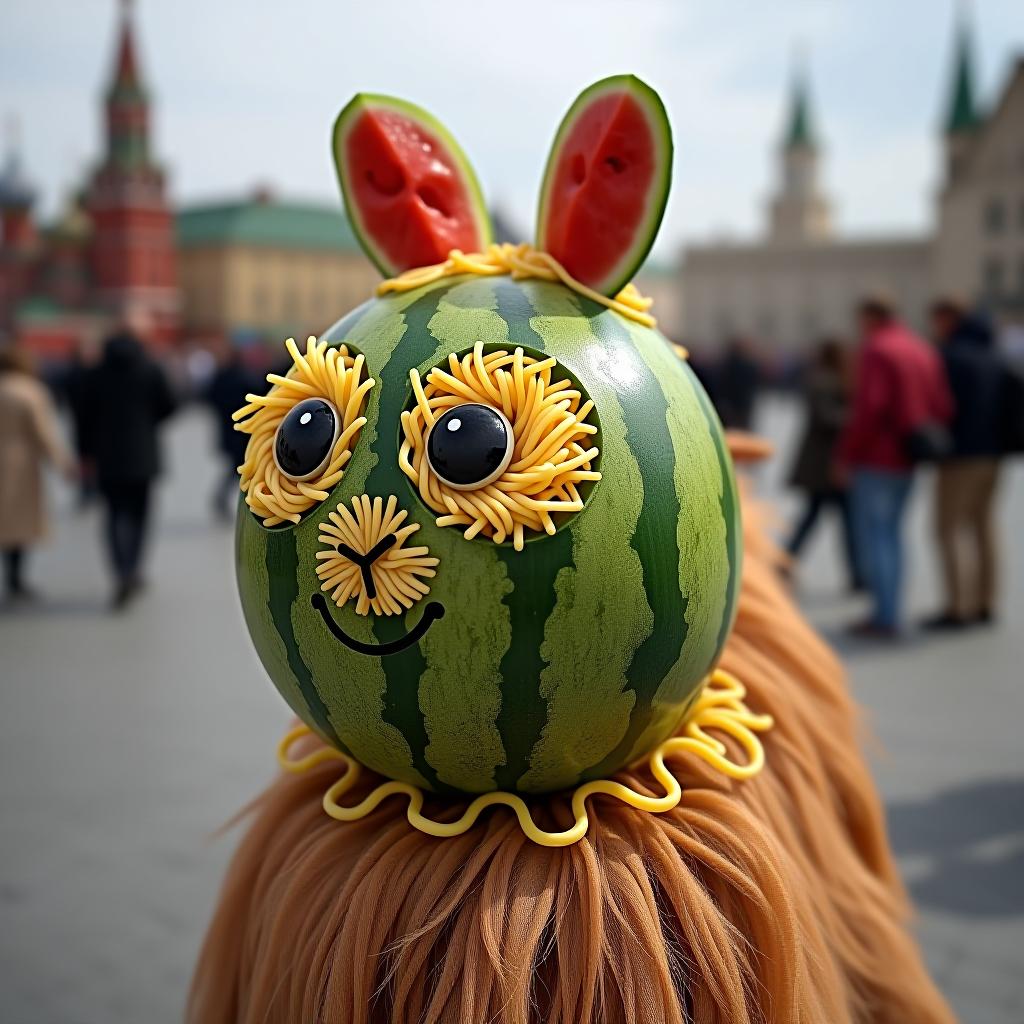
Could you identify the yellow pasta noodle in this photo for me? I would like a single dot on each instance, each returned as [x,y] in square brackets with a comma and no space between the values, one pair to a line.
[321,372]
[520,261]
[390,583]
[552,455]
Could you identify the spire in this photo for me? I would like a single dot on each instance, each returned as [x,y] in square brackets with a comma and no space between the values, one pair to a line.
[127,102]
[962,115]
[126,80]
[15,190]
[800,132]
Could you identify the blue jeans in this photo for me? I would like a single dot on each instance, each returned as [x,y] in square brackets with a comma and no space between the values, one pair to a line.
[878,498]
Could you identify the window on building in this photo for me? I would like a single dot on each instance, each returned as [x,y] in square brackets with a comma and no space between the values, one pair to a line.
[995,216]
[992,277]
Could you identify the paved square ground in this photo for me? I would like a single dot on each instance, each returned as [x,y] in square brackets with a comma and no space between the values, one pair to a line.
[126,741]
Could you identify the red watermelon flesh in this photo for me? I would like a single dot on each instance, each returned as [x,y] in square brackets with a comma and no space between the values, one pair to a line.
[606,184]
[407,193]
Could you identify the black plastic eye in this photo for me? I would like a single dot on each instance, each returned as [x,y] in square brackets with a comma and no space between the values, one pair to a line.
[470,446]
[305,438]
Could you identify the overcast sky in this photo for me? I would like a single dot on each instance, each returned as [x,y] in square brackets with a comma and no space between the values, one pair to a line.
[246,90]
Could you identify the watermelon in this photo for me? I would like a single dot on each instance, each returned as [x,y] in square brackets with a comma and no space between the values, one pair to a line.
[606,183]
[527,671]
[410,192]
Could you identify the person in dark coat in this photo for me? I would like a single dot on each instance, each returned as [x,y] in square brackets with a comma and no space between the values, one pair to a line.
[76,391]
[128,397]
[966,482]
[827,386]
[225,394]
[737,382]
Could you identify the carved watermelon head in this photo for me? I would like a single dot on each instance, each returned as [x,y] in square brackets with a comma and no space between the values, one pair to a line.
[507,563]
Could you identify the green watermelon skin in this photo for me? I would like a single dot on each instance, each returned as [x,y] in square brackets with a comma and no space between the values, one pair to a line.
[551,666]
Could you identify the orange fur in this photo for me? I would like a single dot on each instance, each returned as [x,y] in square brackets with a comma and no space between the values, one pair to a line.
[774,899]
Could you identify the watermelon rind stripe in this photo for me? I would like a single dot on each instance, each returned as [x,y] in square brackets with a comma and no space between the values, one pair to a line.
[254,591]
[731,513]
[404,669]
[531,601]
[654,539]
[584,685]
[353,686]
[282,571]
[701,478]
[471,576]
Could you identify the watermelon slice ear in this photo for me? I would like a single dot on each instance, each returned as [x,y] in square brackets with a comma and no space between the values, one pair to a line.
[606,183]
[410,192]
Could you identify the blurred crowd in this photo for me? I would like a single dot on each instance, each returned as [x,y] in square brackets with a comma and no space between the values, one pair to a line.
[876,410]
[118,397]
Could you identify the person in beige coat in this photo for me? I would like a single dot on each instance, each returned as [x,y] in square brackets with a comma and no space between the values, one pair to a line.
[29,438]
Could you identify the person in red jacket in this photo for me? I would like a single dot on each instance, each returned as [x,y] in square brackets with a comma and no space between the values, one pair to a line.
[900,390]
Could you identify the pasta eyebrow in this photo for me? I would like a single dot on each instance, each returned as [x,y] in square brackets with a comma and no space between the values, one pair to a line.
[324,372]
[552,455]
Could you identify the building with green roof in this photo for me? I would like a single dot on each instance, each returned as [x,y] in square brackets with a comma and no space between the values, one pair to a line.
[268,268]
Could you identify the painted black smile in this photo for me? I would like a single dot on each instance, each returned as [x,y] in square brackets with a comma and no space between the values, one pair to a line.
[431,612]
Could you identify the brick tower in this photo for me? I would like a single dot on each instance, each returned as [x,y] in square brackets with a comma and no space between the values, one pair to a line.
[132,253]
[18,238]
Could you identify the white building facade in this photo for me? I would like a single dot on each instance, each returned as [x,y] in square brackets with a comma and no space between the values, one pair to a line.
[801,282]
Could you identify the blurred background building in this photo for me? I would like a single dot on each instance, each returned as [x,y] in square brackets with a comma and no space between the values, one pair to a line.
[979,244]
[112,252]
[255,269]
[258,268]
[802,279]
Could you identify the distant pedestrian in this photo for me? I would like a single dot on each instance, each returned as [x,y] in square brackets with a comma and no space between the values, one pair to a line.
[966,481]
[737,381]
[900,406]
[225,393]
[128,398]
[76,383]
[827,392]
[29,438]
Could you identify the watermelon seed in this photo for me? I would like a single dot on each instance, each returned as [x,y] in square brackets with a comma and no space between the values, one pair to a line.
[615,164]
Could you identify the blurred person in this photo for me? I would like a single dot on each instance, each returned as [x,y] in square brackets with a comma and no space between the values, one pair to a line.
[128,397]
[827,389]
[197,370]
[901,403]
[29,438]
[736,384]
[76,383]
[225,392]
[965,485]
